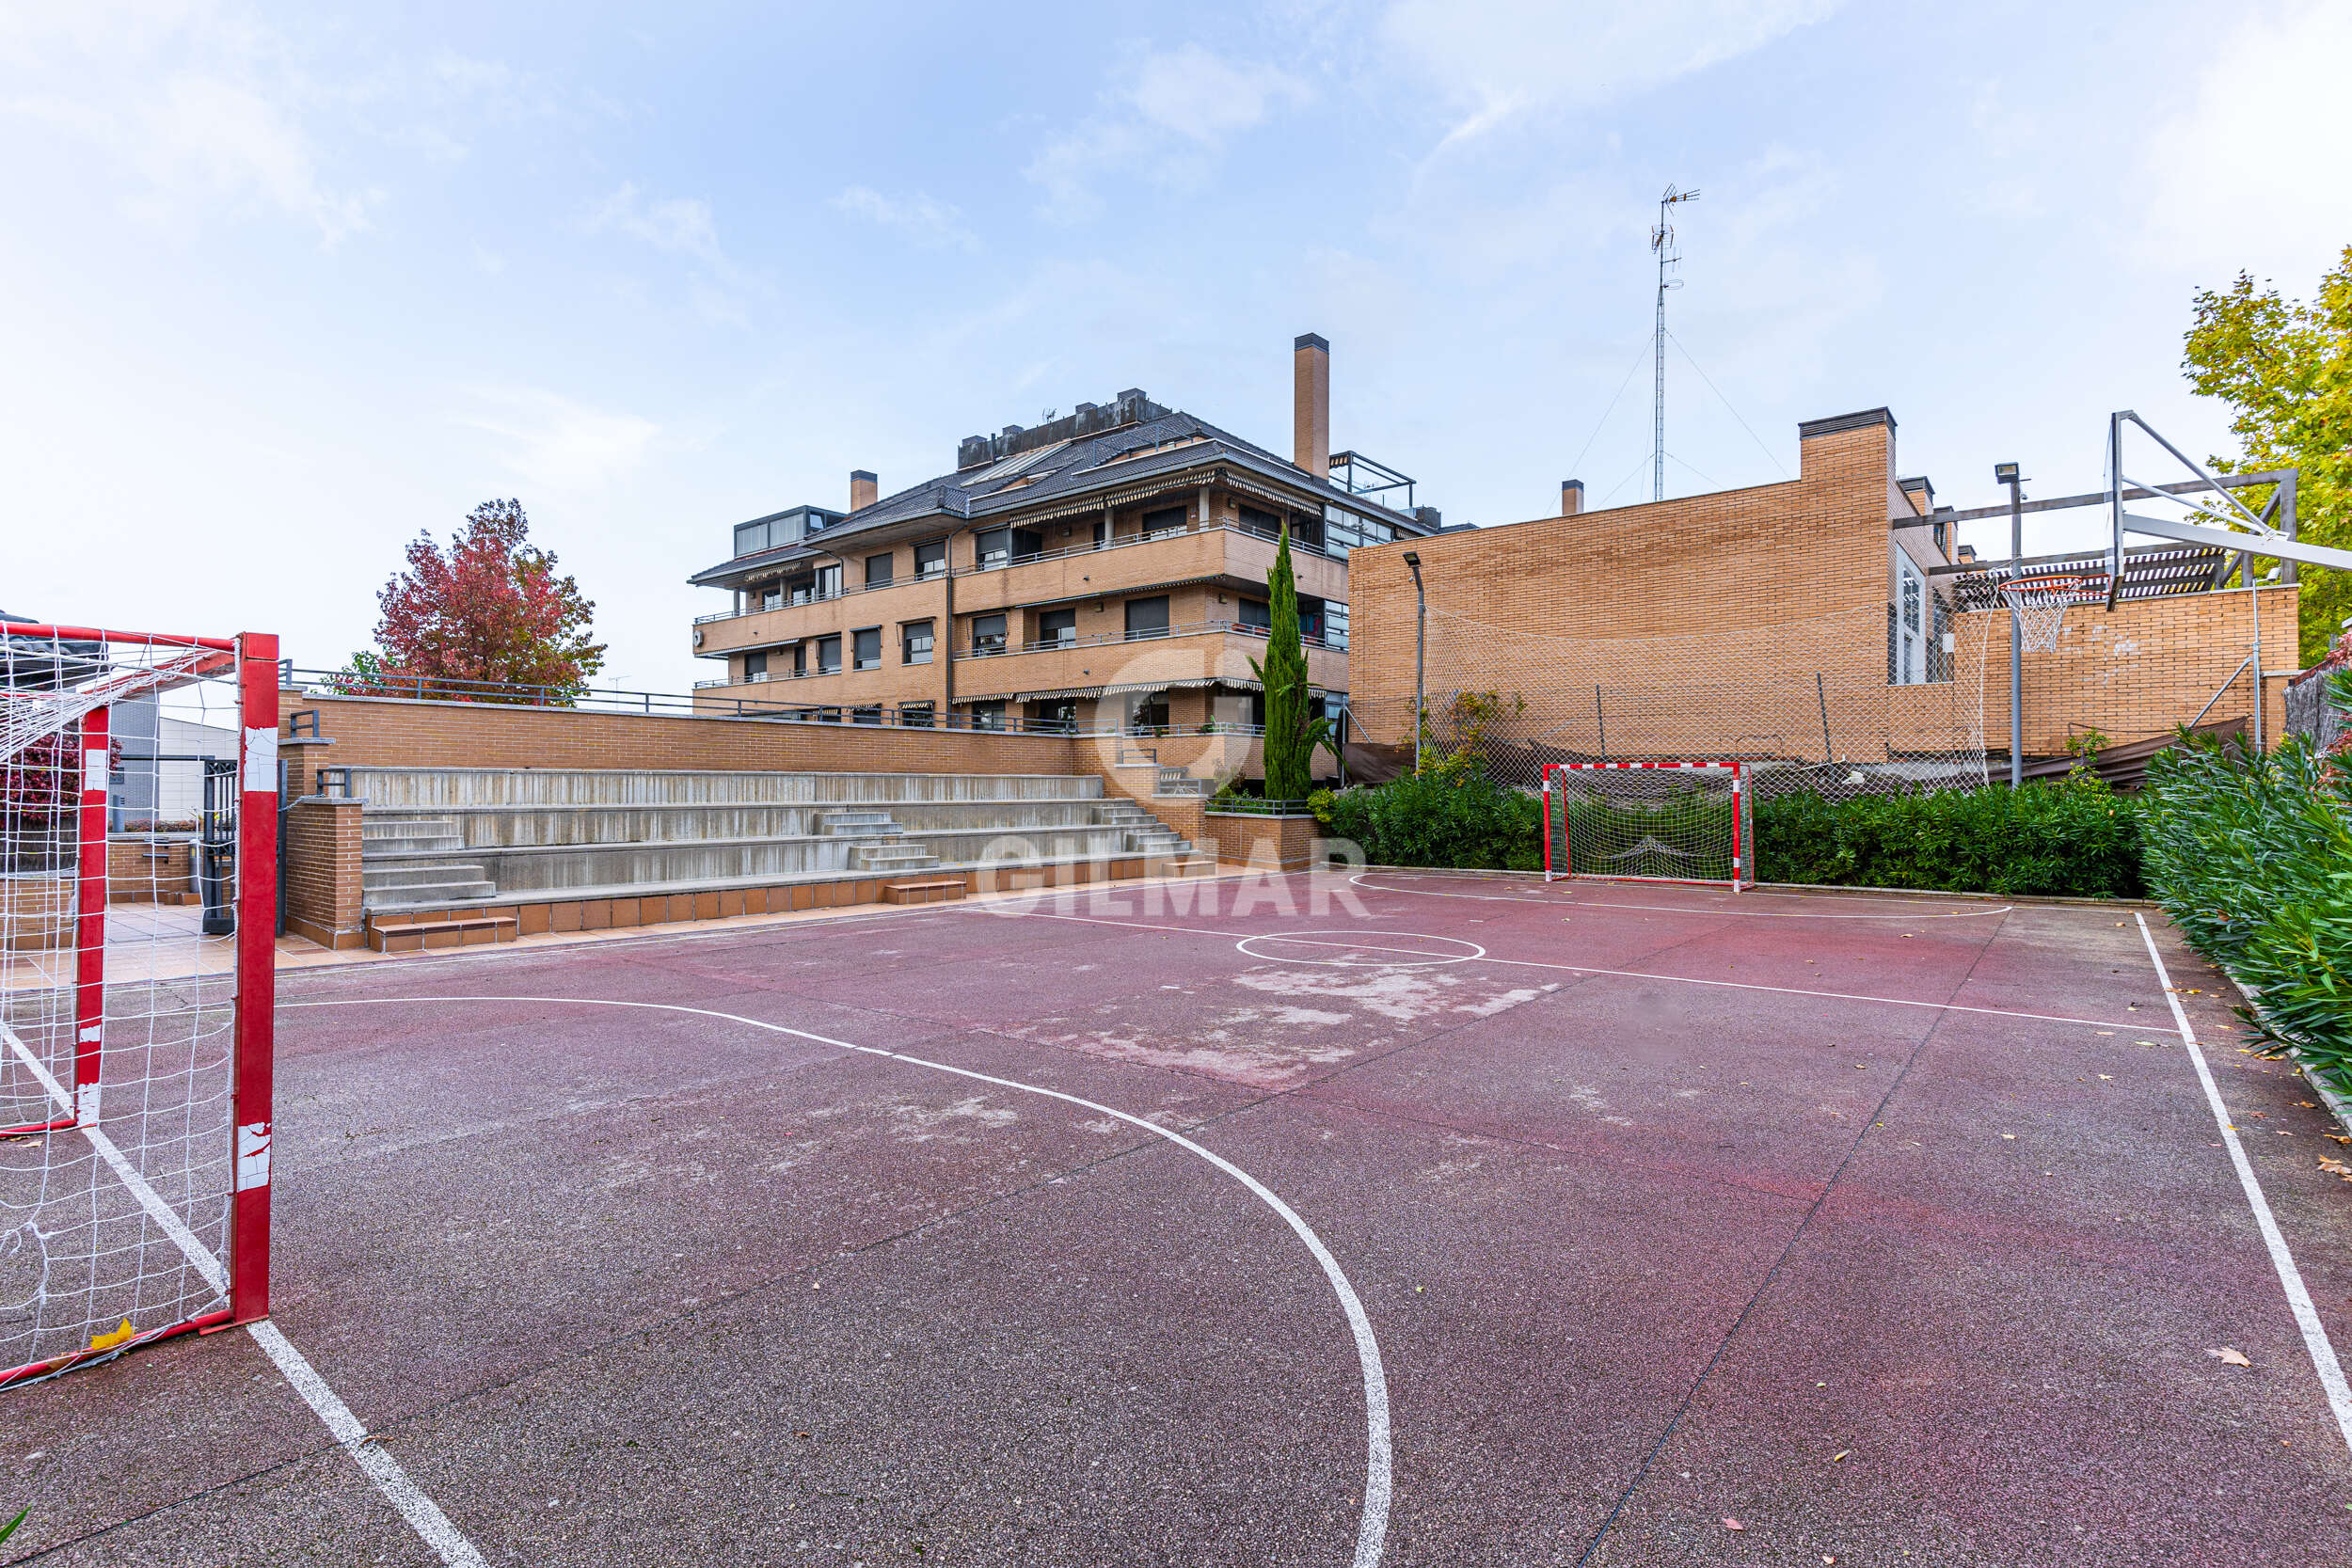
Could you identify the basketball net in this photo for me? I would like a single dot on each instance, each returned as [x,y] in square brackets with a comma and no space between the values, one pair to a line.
[2038,606]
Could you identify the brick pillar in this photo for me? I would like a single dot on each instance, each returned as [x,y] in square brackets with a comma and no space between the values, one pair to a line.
[1310,404]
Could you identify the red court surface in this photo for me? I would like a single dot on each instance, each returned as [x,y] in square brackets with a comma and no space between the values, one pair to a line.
[1507,1224]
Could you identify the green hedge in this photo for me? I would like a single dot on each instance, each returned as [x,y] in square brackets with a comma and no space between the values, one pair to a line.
[2074,838]
[2252,857]
[1458,818]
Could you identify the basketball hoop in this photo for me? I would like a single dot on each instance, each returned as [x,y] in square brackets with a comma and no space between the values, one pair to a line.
[2039,602]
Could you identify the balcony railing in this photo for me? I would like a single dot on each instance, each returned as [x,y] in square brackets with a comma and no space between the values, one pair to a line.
[1193,628]
[1031,558]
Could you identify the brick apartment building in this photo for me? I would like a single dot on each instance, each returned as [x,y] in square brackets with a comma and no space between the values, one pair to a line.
[1826,618]
[1105,570]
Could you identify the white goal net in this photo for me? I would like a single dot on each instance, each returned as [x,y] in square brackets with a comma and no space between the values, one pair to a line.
[1648,821]
[137,922]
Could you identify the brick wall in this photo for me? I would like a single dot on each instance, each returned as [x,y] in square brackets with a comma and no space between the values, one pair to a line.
[145,869]
[1756,619]
[389,732]
[322,856]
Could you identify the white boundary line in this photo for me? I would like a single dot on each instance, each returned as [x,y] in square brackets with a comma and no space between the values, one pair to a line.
[1306,939]
[1633,974]
[2315,1342]
[424,1515]
[1372,1528]
[1358,880]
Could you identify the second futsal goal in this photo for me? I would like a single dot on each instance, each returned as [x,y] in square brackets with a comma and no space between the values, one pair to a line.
[1648,821]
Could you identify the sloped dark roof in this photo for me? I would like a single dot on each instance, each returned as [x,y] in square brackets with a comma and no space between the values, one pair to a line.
[1074,469]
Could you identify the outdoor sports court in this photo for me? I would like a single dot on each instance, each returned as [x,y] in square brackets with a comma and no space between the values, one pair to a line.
[1418,1218]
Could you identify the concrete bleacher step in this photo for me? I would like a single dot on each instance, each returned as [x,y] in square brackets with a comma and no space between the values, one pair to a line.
[470,929]
[936,891]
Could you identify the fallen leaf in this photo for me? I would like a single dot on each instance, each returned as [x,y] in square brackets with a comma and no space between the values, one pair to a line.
[2307,1105]
[2106,1078]
[2010,1136]
[1730,1523]
[109,1340]
[2228,1358]
[1839,1457]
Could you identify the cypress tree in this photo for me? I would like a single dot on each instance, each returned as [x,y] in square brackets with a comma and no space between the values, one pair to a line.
[1291,735]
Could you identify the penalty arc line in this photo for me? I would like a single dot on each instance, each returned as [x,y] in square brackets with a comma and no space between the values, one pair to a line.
[407,1499]
[2315,1342]
[1373,1524]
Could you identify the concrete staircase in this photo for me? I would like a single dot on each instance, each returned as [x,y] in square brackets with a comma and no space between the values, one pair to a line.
[416,863]
[437,838]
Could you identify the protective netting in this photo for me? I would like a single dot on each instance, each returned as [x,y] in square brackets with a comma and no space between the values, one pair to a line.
[2040,604]
[1803,705]
[118,992]
[1676,822]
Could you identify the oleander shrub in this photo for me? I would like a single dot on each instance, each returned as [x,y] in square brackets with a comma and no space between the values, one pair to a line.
[2251,855]
[2073,837]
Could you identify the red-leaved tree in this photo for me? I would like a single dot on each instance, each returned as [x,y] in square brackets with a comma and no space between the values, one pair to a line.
[491,609]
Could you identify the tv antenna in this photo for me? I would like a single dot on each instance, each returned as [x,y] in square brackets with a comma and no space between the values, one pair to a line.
[1661,240]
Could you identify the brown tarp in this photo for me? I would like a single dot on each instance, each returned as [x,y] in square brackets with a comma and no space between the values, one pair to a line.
[2124,766]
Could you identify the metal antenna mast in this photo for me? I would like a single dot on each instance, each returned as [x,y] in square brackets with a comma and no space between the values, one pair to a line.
[1661,240]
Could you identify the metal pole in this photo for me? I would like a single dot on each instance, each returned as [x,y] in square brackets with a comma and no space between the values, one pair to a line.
[1421,665]
[1821,690]
[2016,645]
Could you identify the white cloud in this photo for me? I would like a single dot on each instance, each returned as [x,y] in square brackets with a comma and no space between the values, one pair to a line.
[207,137]
[922,218]
[566,446]
[2256,171]
[681,224]
[1165,115]
[1496,58]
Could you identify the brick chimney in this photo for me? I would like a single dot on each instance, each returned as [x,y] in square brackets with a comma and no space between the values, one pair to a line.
[1572,496]
[1310,404]
[864,489]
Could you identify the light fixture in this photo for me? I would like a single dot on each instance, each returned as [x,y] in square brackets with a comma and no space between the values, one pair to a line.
[1412,558]
[2004,473]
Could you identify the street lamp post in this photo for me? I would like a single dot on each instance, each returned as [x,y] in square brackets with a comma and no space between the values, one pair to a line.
[1420,650]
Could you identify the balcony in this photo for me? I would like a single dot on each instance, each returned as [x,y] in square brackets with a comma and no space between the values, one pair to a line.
[1119,566]
[1207,650]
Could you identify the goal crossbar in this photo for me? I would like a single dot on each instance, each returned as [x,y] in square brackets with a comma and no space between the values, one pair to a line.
[1655,821]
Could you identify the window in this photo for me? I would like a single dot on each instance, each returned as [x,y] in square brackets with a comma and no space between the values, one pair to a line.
[1148,712]
[771,599]
[823,583]
[751,538]
[988,634]
[1168,519]
[877,571]
[1147,618]
[755,666]
[1256,614]
[1062,712]
[866,715]
[1908,630]
[988,716]
[1312,618]
[1102,532]
[1057,627]
[1256,521]
[916,716]
[866,648]
[1001,547]
[914,643]
[1335,623]
[1344,531]
[828,655]
[931,560]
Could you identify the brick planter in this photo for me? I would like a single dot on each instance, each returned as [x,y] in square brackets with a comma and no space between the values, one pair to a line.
[36,910]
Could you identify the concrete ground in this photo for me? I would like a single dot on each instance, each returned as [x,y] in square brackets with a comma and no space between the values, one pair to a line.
[1502,1224]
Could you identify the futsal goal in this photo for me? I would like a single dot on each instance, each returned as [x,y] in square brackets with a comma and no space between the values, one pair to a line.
[138,912]
[1670,821]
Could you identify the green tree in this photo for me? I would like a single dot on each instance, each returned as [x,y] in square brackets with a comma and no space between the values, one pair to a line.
[2285,366]
[1291,734]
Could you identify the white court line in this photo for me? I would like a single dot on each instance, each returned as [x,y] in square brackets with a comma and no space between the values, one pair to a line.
[2315,1342]
[1372,1528]
[424,1515]
[1633,974]
[1358,880]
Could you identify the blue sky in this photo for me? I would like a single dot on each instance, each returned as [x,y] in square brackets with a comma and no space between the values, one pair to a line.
[281,286]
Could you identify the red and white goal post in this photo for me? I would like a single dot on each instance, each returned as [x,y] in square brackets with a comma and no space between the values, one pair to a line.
[1649,822]
[138,918]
